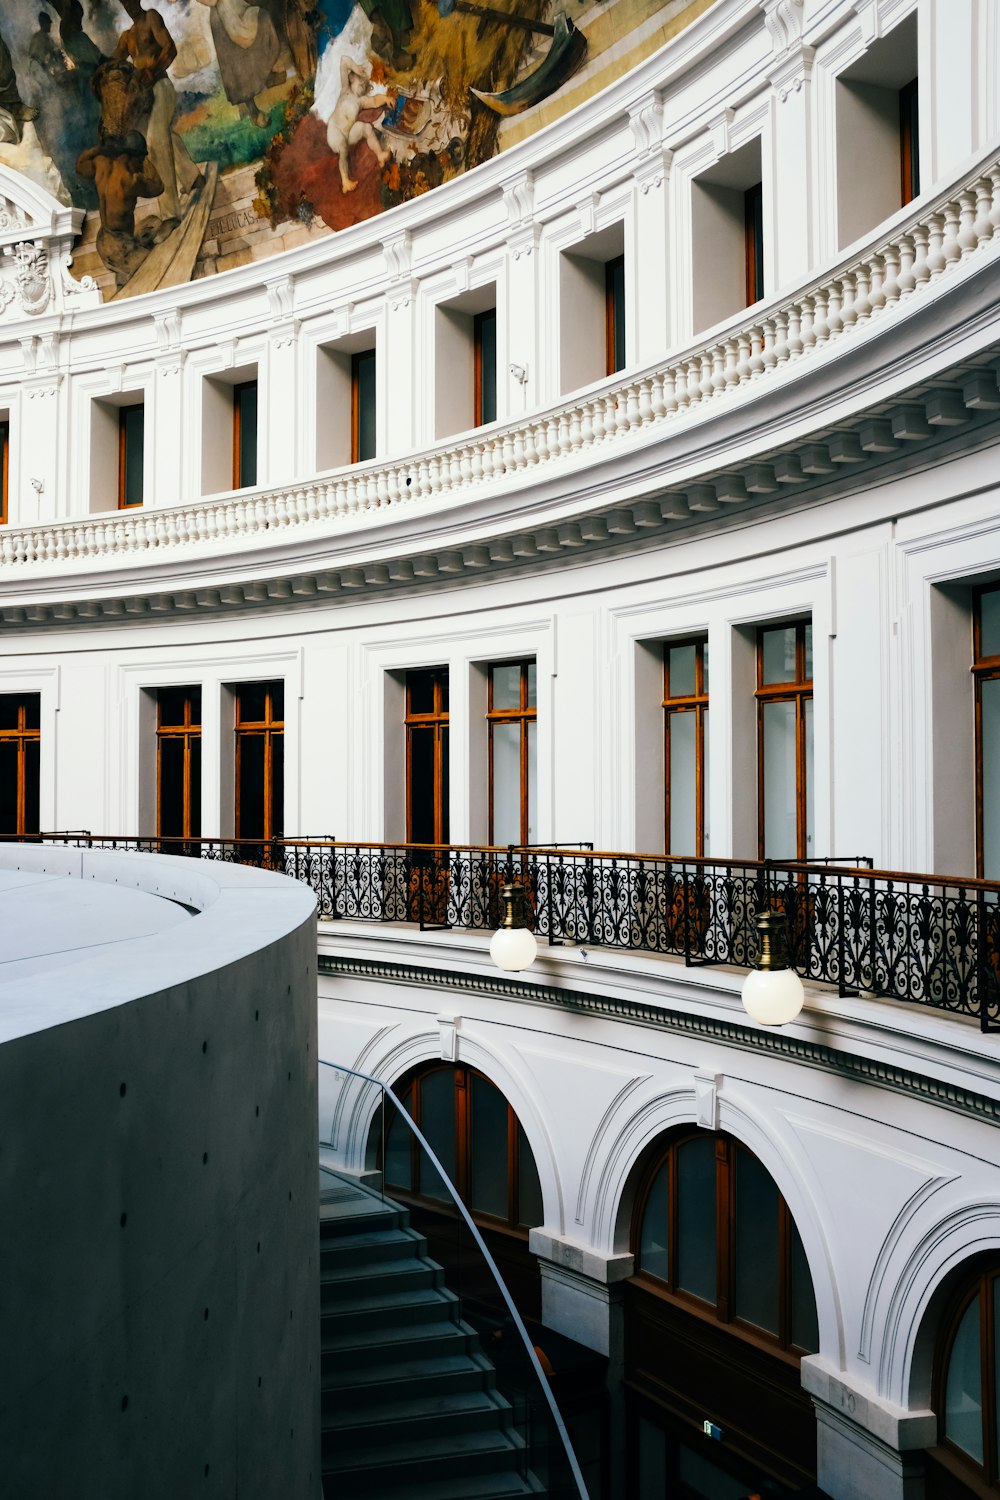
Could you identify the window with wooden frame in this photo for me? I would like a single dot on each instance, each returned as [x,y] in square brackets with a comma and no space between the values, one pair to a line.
[131,455]
[986,675]
[614,314]
[244,434]
[484,363]
[178,762]
[753,218]
[427,756]
[362,406]
[785,777]
[711,1230]
[260,760]
[685,750]
[20,764]
[512,715]
[966,1460]
[477,1138]
[4,469]
[909,142]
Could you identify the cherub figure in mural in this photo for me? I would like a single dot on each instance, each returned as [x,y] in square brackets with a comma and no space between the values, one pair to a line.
[149,47]
[14,113]
[123,173]
[345,128]
[248,48]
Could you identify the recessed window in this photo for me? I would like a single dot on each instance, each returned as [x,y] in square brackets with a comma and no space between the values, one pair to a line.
[785,776]
[909,142]
[427,756]
[967,1389]
[727,230]
[260,760]
[131,457]
[986,673]
[20,759]
[614,314]
[877,135]
[244,434]
[685,718]
[4,469]
[484,338]
[753,218]
[362,406]
[512,716]
[178,762]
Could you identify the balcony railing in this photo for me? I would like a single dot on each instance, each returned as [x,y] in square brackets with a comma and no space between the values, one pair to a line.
[925,939]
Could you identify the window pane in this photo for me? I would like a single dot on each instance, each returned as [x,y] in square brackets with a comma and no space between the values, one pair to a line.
[486,335]
[756,1271]
[680,671]
[9,711]
[616,289]
[991,778]
[529,1197]
[506,686]
[696,1218]
[804,1330]
[810,788]
[250,787]
[704,667]
[246,397]
[963,1402]
[32,710]
[133,426]
[809,652]
[532,781]
[706,787]
[32,786]
[437,1121]
[194,831]
[989,623]
[444,811]
[996,1353]
[364,374]
[420,692]
[171,787]
[422,786]
[277,811]
[170,702]
[778,650]
[779,781]
[653,1239]
[251,702]
[683,753]
[652,1464]
[398,1167]
[488,1175]
[532,685]
[698,1475]
[8,788]
[277,690]
[506,739]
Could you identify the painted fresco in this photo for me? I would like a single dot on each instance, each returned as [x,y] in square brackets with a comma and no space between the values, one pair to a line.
[204,134]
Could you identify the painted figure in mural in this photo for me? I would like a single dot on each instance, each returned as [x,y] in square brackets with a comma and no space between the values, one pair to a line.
[149,47]
[248,47]
[392,23]
[14,113]
[62,122]
[345,129]
[83,53]
[123,173]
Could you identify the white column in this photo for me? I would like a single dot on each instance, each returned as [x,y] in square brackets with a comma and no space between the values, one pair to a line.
[790,254]
[948,64]
[647,249]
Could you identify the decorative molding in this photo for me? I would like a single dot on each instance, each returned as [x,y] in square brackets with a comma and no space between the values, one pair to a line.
[783,19]
[706,1099]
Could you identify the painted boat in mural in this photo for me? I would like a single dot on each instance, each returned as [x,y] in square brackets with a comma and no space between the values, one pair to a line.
[171,263]
[562,59]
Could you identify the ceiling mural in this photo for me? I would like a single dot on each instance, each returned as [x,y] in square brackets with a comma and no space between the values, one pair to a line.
[204,134]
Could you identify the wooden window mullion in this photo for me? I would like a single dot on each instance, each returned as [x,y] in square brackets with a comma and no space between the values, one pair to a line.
[725,1228]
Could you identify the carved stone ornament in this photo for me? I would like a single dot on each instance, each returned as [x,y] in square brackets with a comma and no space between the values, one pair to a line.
[32,277]
[783,19]
[12,216]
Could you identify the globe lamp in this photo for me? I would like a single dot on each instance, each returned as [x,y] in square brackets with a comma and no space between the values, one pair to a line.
[772,992]
[512,946]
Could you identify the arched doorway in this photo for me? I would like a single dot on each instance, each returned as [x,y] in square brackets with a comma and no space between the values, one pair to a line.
[718,1314]
[965,1462]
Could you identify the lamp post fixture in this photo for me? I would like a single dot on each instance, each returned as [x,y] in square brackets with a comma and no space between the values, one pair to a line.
[513,946]
[772,992]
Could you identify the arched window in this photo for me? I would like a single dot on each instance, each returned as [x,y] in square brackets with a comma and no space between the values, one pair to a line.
[712,1230]
[966,1388]
[477,1138]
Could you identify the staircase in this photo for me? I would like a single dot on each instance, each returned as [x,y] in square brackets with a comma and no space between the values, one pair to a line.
[410,1409]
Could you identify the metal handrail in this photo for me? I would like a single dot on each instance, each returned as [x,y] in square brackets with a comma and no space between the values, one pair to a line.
[491,1263]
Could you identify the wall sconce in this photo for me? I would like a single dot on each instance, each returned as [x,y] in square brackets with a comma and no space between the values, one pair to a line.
[772,992]
[513,945]
[519,373]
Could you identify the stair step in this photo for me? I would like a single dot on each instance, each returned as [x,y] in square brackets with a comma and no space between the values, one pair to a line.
[423,1416]
[348,1388]
[467,1487]
[393,1310]
[360,1282]
[363,1348]
[372,1247]
[423,1460]
[364,1216]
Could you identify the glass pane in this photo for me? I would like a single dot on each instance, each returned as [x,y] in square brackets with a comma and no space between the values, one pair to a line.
[398,1163]
[32,785]
[616,289]
[778,652]
[437,1121]
[804,1330]
[706,787]
[680,670]
[444,811]
[756,1271]
[810,788]
[194,831]
[277,817]
[652,1461]
[989,623]
[251,702]
[486,335]
[532,685]
[133,428]
[8,788]
[506,741]
[170,702]
[990,719]
[532,782]
[277,702]
[32,710]
[696,1218]
[246,398]
[506,685]
[529,1193]
[488,1174]
[420,692]
[653,1238]
[704,667]
[250,787]
[779,781]
[195,696]
[809,652]
[963,1402]
[683,754]
[421,789]
[996,1353]
[364,374]
[172,787]
[10,706]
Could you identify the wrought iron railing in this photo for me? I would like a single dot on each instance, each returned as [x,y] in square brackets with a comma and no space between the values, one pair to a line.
[926,939]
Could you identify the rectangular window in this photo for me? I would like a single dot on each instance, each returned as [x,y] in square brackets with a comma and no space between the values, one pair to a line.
[20,750]
[244,434]
[753,209]
[427,756]
[131,439]
[512,714]
[4,469]
[484,341]
[685,705]
[614,313]
[260,760]
[986,672]
[785,741]
[362,406]
[178,763]
[909,142]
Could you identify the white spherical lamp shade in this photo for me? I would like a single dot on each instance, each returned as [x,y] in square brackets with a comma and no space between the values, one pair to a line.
[513,948]
[772,996]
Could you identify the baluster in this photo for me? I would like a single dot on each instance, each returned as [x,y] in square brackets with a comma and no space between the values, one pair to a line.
[935,257]
[995,200]
[876,294]
[983,228]
[905,278]
[633,412]
[756,351]
[952,249]
[967,238]
[920,235]
[849,300]
[644,401]
[834,322]
[781,350]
